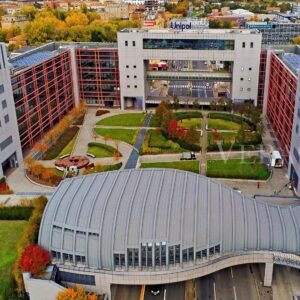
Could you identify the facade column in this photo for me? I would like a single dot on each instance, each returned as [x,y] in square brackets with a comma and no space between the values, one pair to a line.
[74,76]
[268,274]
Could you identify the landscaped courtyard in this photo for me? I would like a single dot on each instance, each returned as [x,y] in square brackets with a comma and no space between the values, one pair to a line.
[125,135]
[101,150]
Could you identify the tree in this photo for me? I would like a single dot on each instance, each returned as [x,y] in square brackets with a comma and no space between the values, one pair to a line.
[216,136]
[260,128]
[172,128]
[116,155]
[40,147]
[228,105]
[28,11]
[34,259]
[76,18]
[213,105]
[167,117]
[196,104]
[161,110]
[75,294]
[176,103]
[241,135]
[191,136]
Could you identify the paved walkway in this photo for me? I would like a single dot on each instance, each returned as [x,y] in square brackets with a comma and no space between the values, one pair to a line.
[203,159]
[134,156]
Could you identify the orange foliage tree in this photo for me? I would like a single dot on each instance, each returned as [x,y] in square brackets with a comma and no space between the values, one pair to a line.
[78,294]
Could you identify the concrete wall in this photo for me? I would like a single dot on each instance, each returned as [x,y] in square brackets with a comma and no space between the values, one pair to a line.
[8,130]
[246,60]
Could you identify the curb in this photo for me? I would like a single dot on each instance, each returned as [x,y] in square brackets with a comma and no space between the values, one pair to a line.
[38,184]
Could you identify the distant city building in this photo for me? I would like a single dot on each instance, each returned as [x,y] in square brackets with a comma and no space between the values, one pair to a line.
[8,21]
[275,33]
[117,10]
[242,13]
[189,23]
[296,8]
[10,148]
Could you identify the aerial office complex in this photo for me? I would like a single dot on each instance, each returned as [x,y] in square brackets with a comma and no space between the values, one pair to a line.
[157,226]
[146,66]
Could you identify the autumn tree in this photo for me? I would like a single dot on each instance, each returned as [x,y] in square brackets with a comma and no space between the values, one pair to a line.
[161,109]
[192,136]
[75,294]
[176,103]
[76,18]
[106,138]
[172,128]
[34,259]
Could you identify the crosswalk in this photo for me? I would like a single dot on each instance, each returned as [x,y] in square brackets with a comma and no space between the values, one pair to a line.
[188,86]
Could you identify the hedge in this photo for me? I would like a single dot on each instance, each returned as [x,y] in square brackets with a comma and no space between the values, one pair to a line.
[15,212]
[234,147]
[79,120]
[188,115]
[29,236]
[103,146]
[229,117]
[101,112]
[185,145]
[2,180]
[54,150]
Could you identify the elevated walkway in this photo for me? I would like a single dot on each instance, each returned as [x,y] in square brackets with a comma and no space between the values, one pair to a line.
[189,75]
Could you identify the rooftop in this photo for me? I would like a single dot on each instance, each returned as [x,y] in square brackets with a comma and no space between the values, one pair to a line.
[292,60]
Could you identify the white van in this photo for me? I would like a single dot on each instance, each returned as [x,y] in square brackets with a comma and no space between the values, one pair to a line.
[276,160]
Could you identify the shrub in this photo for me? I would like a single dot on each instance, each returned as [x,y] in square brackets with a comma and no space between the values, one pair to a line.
[79,120]
[29,236]
[61,143]
[101,112]
[34,259]
[15,213]
[188,115]
[78,294]
[187,146]
[2,180]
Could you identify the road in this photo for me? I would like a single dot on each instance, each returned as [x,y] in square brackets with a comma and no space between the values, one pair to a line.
[173,291]
[133,158]
[126,292]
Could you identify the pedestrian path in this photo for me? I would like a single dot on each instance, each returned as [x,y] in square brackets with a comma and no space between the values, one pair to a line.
[133,158]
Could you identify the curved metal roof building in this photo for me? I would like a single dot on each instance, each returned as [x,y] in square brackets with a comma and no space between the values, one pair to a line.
[151,218]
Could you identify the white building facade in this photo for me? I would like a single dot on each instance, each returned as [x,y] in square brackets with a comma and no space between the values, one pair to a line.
[10,147]
[137,47]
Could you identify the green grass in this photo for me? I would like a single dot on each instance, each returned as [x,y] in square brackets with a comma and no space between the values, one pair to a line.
[10,233]
[101,150]
[130,120]
[227,137]
[125,135]
[69,148]
[237,169]
[188,123]
[103,168]
[191,166]
[222,124]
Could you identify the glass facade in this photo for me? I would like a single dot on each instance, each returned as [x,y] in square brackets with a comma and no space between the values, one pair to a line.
[188,44]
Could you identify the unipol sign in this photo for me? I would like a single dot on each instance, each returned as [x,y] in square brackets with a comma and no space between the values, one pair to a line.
[180,25]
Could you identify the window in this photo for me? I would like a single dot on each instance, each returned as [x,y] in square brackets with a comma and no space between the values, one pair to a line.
[128,86]
[177,254]
[204,253]
[244,45]
[297,128]
[6,118]
[296,155]
[249,89]
[134,66]
[55,255]
[171,255]
[133,43]
[4,104]
[77,278]
[1,88]
[6,143]
[68,257]
[251,45]
[135,86]
[127,66]
[133,257]
[217,249]
[211,251]
[184,255]
[126,43]
[191,254]
[79,259]
[242,79]
[250,69]
[198,254]
[127,76]
[134,76]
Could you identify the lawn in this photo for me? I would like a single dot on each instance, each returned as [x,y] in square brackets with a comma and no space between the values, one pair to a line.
[10,233]
[102,168]
[156,143]
[101,150]
[191,166]
[130,120]
[125,135]
[69,148]
[222,124]
[237,169]
[188,123]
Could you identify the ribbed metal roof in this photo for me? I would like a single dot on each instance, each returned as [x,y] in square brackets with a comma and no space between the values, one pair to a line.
[98,215]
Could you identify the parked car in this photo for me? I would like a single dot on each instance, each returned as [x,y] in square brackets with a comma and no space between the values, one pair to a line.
[276,160]
[188,156]
[155,290]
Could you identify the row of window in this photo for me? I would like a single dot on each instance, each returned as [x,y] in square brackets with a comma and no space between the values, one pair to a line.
[66,257]
[4,144]
[126,43]
[135,86]
[77,278]
[251,45]
[159,250]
